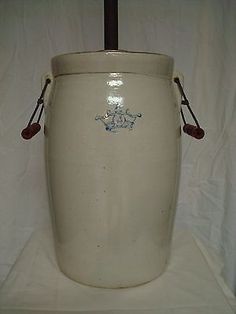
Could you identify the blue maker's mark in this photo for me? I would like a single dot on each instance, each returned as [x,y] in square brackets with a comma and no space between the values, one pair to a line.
[118,119]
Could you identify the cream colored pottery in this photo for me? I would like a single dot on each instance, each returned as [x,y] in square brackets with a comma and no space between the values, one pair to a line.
[112,151]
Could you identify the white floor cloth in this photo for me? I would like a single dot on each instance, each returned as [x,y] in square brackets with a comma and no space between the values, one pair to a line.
[187,287]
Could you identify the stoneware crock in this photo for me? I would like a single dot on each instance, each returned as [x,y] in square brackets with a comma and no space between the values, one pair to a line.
[112,150]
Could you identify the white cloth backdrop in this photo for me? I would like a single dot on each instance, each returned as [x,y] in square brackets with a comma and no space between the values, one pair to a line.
[199,34]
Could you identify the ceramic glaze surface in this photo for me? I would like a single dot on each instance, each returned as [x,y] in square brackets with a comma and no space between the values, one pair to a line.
[112,151]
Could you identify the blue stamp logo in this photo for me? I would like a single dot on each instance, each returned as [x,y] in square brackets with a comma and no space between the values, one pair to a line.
[118,118]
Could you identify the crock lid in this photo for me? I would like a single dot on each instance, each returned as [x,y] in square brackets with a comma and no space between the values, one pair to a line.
[113,61]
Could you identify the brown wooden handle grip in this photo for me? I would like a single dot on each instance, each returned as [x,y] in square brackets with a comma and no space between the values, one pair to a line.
[30,131]
[194,131]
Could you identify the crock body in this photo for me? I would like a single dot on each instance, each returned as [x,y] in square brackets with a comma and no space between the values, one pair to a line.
[112,152]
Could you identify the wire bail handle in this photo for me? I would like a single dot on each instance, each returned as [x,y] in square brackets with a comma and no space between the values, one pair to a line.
[193,130]
[33,128]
